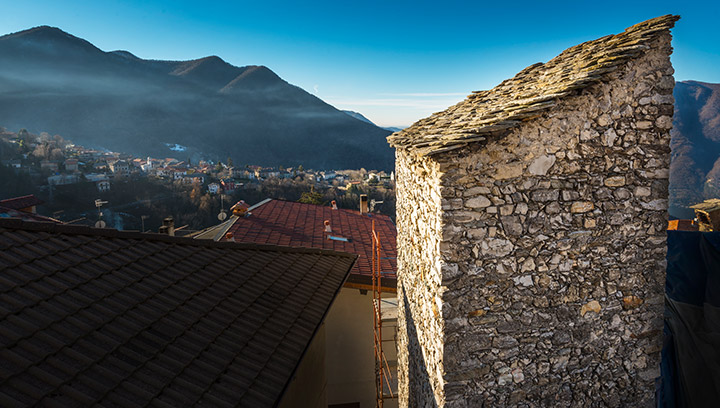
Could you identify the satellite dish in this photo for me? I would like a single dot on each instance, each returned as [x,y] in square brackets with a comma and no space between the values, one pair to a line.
[100,224]
[222,216]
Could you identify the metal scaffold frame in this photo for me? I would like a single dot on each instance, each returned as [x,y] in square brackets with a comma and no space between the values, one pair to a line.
[383,375]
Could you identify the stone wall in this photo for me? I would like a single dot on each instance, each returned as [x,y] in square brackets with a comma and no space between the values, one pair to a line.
[420,325]
[531,266]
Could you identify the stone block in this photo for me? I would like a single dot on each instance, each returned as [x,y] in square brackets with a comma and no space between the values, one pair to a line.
[541,165]
[478,202]
[615,181]
[579,207]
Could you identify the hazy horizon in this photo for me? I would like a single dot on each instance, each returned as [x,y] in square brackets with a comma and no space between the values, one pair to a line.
[394,63]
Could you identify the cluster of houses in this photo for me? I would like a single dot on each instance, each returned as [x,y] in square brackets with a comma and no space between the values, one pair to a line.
[103,167]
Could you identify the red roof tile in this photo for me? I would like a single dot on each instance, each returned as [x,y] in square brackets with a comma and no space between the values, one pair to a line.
[287,223]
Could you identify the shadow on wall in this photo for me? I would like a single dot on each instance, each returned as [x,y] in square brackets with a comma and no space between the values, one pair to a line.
[420,390]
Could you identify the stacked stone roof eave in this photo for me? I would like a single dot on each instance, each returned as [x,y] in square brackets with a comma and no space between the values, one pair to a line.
[529,94]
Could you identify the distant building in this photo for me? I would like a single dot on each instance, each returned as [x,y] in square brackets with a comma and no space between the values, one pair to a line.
[15,163]
[147,166]
[120,168]
[95,177]
[195,178]
[264,173]
[179,172]
[213,188]
[229,186]
[71,165]
[100,165]
[243,174]
[163,171]
[49,165]
[103,185]
[62,179]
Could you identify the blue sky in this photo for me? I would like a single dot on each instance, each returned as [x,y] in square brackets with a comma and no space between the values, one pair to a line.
[394,61]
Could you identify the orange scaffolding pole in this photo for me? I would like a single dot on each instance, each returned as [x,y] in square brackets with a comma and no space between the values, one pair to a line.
[382,368]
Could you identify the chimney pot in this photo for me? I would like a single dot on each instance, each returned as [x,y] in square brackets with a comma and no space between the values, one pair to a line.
[169,225]
[334,204]
[327,226]
[363,204]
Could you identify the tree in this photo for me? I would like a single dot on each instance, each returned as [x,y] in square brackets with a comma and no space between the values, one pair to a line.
[311,197]
[229,161]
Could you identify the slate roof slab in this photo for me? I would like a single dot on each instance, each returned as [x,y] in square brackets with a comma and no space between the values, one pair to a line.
[530,93]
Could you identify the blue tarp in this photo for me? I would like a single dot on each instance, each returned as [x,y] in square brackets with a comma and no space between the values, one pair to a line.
[690,368]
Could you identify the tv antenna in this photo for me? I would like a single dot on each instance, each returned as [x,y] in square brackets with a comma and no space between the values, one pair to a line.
[222,214]
[100,223]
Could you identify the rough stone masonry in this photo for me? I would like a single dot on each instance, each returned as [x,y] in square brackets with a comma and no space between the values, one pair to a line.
[531,233]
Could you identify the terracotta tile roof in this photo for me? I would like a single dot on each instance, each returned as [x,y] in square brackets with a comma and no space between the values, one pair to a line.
[19,203]
[279,222]
[530,93]
[94,317]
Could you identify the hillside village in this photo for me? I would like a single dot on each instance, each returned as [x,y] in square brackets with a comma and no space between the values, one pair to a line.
[52,164]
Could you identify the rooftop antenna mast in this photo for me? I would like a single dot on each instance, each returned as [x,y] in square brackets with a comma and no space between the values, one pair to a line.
[100,223]
[222,214]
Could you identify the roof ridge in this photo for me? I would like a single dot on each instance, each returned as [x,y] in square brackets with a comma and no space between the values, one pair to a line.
[19,224]
[346,210]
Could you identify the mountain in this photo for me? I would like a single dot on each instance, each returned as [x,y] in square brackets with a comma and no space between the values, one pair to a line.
[359,116]
[695,143]
[55,82]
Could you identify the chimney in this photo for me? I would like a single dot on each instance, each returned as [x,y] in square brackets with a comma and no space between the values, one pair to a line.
[230,237]
[334,204]
[168,226]
[363,204]
[327,226]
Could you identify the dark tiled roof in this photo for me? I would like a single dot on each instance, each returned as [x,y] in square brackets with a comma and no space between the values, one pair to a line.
[288,223]
[19,203]
[93,317]
[530,93]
